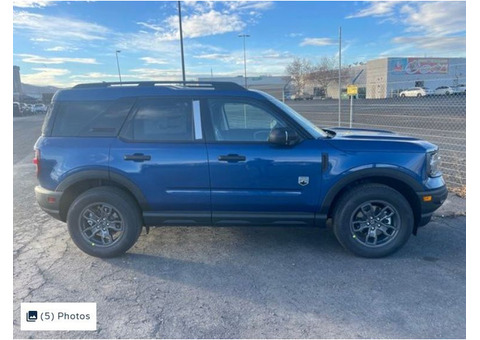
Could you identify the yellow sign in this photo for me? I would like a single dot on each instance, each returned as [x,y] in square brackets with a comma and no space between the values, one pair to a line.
[352,90]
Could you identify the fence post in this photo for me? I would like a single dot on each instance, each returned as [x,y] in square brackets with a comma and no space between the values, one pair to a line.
[351,110]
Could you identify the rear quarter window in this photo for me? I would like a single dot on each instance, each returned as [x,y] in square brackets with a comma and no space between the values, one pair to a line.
[90,118]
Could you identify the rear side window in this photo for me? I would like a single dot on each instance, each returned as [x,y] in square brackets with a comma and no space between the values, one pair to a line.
[159,120]
[90,118]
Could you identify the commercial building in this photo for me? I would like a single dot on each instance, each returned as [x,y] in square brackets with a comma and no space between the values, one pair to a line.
[387,77]
[274,85]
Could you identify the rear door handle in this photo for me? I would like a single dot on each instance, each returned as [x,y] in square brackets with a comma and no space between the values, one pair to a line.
[137,157]
[232,158]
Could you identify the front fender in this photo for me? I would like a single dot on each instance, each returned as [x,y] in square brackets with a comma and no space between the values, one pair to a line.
[350,176]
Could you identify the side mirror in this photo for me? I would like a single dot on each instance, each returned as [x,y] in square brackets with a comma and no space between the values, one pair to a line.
[283,136]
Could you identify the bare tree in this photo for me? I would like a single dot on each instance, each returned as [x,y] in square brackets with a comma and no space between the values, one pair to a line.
[325,72]
[299,70]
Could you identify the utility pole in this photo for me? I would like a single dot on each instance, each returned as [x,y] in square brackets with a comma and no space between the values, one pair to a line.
[339,74]
[244,56]
[118,66]
[181,39]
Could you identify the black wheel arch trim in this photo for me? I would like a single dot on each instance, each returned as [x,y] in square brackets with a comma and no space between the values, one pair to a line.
[105,175]
[364,174]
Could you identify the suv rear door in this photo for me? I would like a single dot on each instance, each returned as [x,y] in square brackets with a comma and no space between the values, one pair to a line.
[161,150]
[252,180]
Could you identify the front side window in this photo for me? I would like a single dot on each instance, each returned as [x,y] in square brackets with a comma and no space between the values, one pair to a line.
[242,121]
[161,120]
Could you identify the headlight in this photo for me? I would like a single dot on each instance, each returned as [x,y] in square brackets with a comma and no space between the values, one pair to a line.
[433,164]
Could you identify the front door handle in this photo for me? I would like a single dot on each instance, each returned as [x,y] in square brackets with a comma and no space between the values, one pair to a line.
[137,157]
[232,158]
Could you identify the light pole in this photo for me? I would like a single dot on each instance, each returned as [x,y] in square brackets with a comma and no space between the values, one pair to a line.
[244,56]
[118,66]
[181,38]
[339,75]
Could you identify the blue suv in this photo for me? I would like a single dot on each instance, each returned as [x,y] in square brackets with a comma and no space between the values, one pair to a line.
[115,157]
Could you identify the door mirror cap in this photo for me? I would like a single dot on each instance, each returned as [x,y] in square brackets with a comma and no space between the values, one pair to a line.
[283,136]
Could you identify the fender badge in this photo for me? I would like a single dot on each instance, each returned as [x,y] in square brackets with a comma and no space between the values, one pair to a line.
[303,180]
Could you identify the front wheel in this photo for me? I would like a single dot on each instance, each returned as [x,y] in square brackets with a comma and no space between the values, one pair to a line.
[104,222]
[373,220]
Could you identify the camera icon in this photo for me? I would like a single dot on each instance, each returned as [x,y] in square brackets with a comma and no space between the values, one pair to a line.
[32,316]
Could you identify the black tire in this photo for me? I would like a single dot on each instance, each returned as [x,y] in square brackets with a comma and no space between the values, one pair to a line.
[101,206]
[402,95]
[354,229]
[419,95]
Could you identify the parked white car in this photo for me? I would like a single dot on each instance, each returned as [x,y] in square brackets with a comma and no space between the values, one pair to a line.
[444,90]
[304,96]
[416,92]
[462,88]
[39,108]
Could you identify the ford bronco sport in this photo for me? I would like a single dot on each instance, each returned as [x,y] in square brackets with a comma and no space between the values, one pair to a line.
[114,157]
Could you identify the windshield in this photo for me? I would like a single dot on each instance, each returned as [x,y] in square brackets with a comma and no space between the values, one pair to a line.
[315,131]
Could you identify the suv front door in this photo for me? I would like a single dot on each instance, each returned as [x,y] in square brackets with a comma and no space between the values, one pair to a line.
[254,182]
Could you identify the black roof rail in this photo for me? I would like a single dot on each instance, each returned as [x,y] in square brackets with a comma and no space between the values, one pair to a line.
[216,85]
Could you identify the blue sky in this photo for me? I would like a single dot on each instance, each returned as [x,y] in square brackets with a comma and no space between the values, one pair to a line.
[65,43]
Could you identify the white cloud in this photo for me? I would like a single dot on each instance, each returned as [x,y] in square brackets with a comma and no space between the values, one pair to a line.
[376,9]
[259,62]
[434,27]
[153,27]
[148,41]
[433,43]
[197,6]
[163,38]
[238,6]
[34,59]
[318,42]
[199,19]
[150,60]
[41,26]
[204,24]
[229,58]
[46,77]
[435,18]
[39,39]
[61,49]
[157,74]
[95,76]
[32,3]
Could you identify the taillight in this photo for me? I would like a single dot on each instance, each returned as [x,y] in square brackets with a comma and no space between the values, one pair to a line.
[36,161]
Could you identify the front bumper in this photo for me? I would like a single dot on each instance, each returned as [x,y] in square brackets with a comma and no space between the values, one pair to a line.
[49,201]
[428,206]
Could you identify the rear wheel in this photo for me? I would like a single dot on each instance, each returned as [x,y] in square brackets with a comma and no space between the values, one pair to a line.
[373,220]
[419,94]
[104,222]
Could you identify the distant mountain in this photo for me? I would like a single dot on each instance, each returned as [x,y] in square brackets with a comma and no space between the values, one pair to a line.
[37,90]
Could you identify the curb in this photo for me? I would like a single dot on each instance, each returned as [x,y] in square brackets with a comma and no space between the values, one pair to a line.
[454,206]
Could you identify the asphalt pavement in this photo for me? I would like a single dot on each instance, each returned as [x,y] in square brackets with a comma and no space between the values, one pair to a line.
[244,282]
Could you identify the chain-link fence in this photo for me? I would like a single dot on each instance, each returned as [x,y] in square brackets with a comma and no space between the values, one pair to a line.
[418,97]
[440,120]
